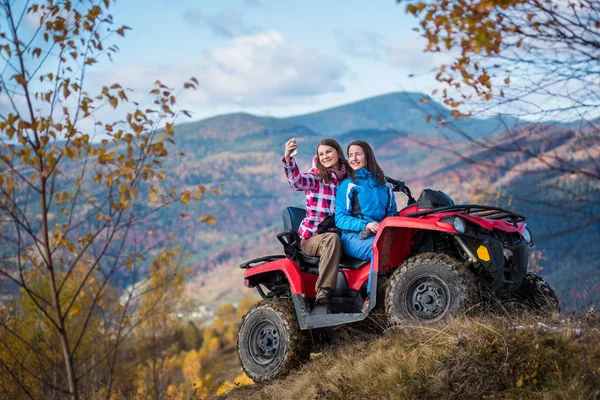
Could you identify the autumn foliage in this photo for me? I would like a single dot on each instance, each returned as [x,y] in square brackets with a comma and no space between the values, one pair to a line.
[77,189]
[517,52]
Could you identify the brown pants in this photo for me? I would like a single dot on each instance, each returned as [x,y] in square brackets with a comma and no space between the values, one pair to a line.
[329,248]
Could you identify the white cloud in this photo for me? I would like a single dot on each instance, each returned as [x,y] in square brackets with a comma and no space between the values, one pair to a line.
[410,55]
[256,70]
[227,24]
[362,44]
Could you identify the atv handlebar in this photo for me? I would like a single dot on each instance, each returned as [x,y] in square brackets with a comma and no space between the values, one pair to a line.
[399,186]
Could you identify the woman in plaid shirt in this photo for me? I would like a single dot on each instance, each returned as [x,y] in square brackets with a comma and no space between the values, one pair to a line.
[320,185]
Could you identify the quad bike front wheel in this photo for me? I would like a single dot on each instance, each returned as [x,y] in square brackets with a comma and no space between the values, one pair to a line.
[270,342]
[536,294]
[428,288]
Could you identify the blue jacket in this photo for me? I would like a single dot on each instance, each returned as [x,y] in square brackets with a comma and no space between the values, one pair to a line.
[362,201]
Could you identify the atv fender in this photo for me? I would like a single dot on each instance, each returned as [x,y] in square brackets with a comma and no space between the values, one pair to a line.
[285,265]
[394,239]
[417,223]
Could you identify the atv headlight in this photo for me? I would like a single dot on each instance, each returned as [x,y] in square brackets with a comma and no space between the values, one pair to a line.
[459,225]
[527,235]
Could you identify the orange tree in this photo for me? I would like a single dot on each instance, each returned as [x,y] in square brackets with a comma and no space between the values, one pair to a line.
[76,193]
[538,54]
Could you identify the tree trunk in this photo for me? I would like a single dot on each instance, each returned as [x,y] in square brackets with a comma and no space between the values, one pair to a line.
[60,323]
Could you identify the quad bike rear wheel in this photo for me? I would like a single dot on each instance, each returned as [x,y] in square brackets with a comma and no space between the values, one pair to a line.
[428,288]
[536,294]
[270,342]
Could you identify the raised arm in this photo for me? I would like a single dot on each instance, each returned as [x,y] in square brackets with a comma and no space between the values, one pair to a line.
[296,180]
[343,207]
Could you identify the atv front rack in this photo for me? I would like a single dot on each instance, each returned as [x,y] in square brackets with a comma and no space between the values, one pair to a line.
[474,210]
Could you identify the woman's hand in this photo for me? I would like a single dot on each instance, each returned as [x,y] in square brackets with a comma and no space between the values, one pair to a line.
[290,146]
[373,226]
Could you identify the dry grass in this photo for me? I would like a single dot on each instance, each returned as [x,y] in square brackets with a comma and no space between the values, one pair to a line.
[466,358]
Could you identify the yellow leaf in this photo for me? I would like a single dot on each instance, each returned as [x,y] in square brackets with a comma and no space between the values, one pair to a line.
[106,157]
[91,199]
[209,219]
[121,30]
[153,197]
[216,191]
[520,382]
[184,197]
[114,102]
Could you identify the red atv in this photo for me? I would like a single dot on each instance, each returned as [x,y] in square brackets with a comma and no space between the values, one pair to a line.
[436,259]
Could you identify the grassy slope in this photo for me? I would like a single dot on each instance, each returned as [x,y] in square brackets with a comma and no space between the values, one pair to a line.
[488,357]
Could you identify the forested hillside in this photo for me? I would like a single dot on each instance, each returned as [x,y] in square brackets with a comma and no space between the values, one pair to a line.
[508,169]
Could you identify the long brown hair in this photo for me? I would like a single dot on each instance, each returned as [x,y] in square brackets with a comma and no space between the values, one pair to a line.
[372,166]
[324,173]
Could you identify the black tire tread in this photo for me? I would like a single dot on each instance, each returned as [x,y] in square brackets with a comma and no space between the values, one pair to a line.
[537,294]
[467,288]
[298,348]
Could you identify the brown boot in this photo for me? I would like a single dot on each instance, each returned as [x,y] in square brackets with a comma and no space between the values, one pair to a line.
[323,296]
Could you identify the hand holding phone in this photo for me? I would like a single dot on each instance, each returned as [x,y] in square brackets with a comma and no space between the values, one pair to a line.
[293,146]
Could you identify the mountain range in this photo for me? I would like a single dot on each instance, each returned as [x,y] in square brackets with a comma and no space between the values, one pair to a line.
[401,111]
[547,172]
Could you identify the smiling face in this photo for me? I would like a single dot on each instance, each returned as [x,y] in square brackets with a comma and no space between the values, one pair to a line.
[357,157]
[328,156]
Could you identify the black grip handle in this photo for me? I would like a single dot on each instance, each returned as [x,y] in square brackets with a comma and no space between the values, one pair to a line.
[399,186]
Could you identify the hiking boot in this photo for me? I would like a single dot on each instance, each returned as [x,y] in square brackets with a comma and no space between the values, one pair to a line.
[323,296]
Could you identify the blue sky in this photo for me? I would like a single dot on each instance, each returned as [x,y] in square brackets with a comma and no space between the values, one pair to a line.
[281,58]
[269,58]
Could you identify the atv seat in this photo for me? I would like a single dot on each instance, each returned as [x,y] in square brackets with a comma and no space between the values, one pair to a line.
[292,217]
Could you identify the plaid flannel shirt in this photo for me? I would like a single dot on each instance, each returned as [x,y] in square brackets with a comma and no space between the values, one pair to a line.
[320,196]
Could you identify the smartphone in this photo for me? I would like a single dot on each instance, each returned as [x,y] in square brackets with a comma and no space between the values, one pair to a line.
[293,153]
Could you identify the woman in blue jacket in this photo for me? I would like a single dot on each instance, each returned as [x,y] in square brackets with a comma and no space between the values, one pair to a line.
[363,200]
